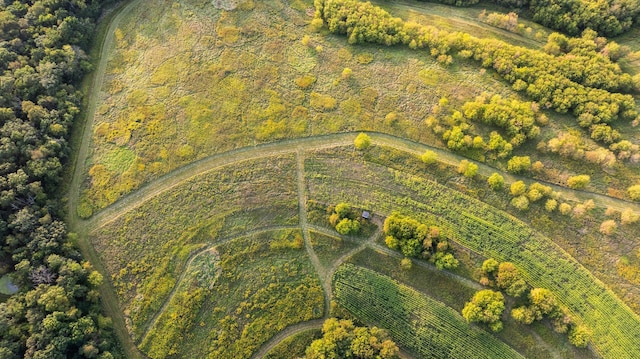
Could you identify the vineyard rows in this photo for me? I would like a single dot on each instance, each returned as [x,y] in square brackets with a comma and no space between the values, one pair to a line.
[423,325]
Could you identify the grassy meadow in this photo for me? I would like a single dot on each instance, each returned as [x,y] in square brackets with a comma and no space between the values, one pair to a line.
[146,249]
[485,230]
[185,80]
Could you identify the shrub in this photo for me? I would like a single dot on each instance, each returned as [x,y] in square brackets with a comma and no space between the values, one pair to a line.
[346,73]
[523,315]
[518,188]
[578,182]
[489,266]
[429,157]
[579,336]
[520,202]
[445,261]
[305,81]
[486,306]
[467,169]
[534,195]
[362,141]
[316,24]
[348,226]
[565,209]
[634,192]
[551,205]
[343,210]
[628,216]
[496,181]
[518,164]
[608,227]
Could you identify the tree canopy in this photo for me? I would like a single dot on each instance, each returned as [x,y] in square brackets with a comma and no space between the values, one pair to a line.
[342,339]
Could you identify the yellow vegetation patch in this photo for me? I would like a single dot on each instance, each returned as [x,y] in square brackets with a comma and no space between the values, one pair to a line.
[322,102]
[364,58]
[305,81]
[229,34]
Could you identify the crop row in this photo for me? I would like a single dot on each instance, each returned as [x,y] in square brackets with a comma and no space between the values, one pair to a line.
[489,232]
[425,326]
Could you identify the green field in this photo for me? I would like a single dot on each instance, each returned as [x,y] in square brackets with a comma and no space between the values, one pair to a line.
[171,227]
[222,139]
[423,325]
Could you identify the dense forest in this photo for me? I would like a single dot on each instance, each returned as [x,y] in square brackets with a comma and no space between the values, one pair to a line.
[57,312]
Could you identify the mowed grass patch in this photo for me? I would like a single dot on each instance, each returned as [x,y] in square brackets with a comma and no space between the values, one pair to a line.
[488,232]
[185,80]
[145,249]
[295,345]
[422,325]
[261,290]
[330,249]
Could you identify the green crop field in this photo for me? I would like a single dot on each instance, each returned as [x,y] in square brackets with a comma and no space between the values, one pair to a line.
[219,141]
[419,323]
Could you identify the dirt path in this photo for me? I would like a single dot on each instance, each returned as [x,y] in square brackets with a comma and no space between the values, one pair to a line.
[107,291]
[194,169]
[286,333]
[326,280]
[207,164]
[459,19]
[304,226]
[297,147]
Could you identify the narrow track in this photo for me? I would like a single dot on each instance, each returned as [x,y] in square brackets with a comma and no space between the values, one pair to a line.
[174,178]
[296,147]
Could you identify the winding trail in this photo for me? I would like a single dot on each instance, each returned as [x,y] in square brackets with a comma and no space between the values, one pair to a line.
[296,147]
[178,176]
[304,226]
[286,333]
[326,277]
[107,291]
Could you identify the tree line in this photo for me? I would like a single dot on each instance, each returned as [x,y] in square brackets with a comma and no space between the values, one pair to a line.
[571,75]
[57,312]
[607,17]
